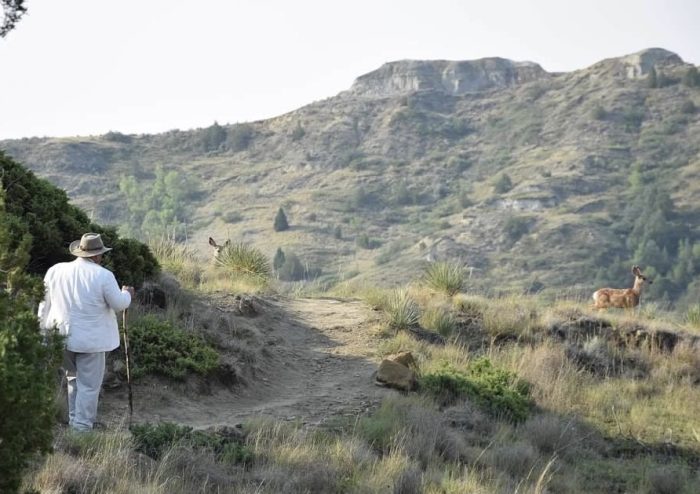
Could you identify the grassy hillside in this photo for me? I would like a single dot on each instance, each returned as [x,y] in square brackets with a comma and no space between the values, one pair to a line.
[537,181]
[522,395]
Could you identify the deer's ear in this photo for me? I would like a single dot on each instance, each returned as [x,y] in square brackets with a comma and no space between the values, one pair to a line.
[211,242]
[228,242]
[635,271]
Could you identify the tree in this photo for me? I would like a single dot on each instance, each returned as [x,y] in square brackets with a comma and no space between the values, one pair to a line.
[13,10]
[691,78]
[652,79]
[502,184]
[281,223]
[27,365]
[278,260]
[213,137]
[160,209]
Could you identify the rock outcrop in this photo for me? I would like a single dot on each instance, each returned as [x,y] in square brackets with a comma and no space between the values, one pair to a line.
[451,77]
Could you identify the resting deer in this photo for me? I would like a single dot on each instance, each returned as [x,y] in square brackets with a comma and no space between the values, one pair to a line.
[218,247]
[621,298]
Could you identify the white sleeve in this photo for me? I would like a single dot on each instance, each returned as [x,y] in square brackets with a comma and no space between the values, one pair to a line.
[116,299]
[43,312]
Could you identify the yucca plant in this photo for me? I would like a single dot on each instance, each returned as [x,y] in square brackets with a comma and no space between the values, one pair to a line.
[445,276]
[402,310]
[692,316]
[241,258]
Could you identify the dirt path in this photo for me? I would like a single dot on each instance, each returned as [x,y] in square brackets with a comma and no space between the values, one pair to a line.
[317,362]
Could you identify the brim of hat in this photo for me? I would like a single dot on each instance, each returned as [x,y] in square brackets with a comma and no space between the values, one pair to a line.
[75,250]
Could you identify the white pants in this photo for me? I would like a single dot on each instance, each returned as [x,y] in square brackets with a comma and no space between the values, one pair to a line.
[84,372]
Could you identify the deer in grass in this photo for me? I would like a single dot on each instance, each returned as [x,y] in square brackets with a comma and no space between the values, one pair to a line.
[218,247]
[621,298]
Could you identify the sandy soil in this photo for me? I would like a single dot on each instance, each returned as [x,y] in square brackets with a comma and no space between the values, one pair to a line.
[310,360]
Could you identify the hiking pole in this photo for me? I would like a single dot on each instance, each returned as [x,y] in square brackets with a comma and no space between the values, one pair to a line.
[128,367]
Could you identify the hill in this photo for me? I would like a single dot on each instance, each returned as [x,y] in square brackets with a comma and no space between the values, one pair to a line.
[538,181]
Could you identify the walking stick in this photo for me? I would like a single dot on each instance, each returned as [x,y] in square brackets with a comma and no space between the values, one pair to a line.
[128,368]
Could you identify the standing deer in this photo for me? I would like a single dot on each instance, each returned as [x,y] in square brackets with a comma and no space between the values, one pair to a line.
[218,247]
[621,298]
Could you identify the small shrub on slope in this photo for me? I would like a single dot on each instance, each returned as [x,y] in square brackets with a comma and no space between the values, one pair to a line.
[156,440]
[498,391]
[160,348]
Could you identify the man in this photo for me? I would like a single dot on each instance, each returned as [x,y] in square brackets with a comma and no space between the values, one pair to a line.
[81,300]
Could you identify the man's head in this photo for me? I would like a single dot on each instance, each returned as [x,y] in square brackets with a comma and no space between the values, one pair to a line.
[90,245]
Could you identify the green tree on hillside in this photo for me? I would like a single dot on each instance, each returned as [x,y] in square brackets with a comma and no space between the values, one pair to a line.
[502,184]
[691,78]
[27,362]
[278,260]
[652,79]
[158,209]
[213,137]
[12,10]
[43,212]
[281,223]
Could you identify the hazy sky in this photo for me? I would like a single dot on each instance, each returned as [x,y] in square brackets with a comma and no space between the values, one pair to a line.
[80,67]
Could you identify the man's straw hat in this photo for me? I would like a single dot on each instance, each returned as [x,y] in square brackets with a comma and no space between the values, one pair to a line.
[88,246]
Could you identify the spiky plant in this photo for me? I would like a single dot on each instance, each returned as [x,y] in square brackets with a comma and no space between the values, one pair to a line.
[445,276]
[243,259]
[692,316]
[402,310]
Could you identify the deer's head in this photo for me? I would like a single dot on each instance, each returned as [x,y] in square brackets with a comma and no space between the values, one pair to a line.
[218,247]
[639,278]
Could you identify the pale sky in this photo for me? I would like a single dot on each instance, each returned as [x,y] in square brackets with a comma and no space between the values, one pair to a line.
[84,67]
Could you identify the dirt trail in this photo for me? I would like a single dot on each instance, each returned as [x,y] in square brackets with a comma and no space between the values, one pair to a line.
[317,356]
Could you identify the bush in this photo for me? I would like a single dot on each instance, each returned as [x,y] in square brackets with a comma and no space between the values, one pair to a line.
[156,440]
[43,211]
[160,348]
[502,184]
[598,112]
[27,366]
[240,136]
[292,269]
[402,310]
[281,224]
[364,242]
[242,259]
[499,392]
[515,227]
[688,107]
[446,277]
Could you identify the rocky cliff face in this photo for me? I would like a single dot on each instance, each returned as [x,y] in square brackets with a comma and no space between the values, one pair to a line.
[453,78]
[637,65]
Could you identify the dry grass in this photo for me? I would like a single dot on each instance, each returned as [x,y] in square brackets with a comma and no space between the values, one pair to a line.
[411,445]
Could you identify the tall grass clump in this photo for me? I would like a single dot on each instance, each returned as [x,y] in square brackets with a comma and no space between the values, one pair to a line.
[444,276]
[402,311]
[243,259]
[692,316]
[178,259]
[439,320]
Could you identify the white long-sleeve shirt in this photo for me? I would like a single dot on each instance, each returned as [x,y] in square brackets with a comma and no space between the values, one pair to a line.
[81,300]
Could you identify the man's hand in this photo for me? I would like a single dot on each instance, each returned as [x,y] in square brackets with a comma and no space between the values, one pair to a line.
[129,289]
